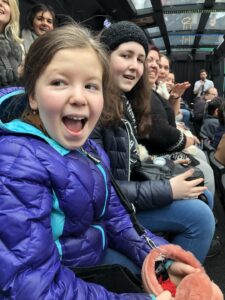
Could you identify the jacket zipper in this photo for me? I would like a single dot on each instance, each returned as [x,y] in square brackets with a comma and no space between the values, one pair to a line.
[128,149]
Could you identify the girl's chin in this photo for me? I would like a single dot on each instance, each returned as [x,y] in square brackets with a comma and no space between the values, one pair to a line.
[73,144]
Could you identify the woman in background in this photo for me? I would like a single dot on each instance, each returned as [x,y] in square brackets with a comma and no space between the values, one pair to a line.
[160,204]
[10,50]
[40,19]
[165,137]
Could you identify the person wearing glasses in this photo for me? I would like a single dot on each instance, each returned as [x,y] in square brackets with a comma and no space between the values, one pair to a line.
[200,107]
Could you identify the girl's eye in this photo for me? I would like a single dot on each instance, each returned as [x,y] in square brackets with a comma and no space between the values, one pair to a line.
[92,86]
[141,60]
[125,55]
[58,83]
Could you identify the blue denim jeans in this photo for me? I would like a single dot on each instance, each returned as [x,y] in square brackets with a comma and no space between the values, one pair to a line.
[186,117]
[190,221]
[115,257]
[210,198]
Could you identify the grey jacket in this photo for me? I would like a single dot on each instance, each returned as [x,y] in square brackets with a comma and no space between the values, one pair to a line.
[10,59]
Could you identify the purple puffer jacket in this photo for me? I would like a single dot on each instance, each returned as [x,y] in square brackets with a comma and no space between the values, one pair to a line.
[8,92]
[58,210]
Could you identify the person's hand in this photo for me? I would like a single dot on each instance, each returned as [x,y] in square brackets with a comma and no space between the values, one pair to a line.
[181,126]
[183,189]
[178,270]
[179,89]
[185,161]
[166,295]
[191,140]
[196,140]
[20,69]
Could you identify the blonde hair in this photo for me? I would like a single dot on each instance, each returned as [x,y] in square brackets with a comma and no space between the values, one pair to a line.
[13,27]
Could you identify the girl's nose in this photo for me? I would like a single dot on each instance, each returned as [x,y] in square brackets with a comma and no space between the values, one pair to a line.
[77,96]
[133,64]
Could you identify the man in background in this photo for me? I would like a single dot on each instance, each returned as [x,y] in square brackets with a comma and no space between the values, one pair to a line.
[200,107]
[202,85]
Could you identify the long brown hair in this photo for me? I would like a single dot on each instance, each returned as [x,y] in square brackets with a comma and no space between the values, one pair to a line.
[139,98]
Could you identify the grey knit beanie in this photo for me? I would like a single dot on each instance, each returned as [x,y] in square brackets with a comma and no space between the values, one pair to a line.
[123,32]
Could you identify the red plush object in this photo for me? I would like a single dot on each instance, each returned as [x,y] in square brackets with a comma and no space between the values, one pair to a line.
[168,285]
[195,286]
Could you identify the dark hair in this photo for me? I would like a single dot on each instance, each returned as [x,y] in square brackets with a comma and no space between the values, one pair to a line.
[139,98]
[221,112]
[202,71]
[153,48]
[36,9]
[214,104]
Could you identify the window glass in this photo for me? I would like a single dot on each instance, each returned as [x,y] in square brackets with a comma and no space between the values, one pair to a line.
[159,43]
[181,40]
[141,4]
[180,2]
[216,21]
[153,31]
[211,39]
[185,21]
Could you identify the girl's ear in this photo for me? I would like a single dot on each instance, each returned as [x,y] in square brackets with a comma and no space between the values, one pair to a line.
[33,102]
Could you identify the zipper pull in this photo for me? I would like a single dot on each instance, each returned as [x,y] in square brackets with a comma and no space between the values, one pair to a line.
[150,242]
[95,160]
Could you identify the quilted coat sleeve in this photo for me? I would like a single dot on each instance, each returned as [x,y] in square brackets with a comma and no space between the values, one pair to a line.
[30,266]
[143,194]
[147,194]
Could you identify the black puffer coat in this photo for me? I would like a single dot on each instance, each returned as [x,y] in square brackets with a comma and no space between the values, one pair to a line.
[143,194]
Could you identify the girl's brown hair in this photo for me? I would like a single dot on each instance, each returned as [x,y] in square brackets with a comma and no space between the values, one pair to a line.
[46,46]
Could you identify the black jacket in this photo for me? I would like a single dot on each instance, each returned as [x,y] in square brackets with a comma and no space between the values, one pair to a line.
[199,109]
[218,136]
[164,136]
[209,126]
[143,194]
